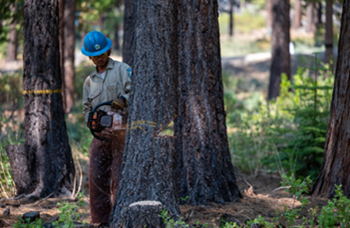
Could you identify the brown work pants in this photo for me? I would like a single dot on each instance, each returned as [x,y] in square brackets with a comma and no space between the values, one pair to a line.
[104,173]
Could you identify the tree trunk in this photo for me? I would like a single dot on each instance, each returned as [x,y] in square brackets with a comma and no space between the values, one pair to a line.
[48,153]
[205,172]
[280,60]
[128,39]
[149,160]
[336,161]
[297,14]
[319,14]
[269,15]
[11,51]
[329,32]
[69,48]
[311,18]
[231,18]
[61,35]
[116,44]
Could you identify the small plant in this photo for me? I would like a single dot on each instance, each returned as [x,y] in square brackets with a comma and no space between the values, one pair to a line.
[337,211]
[297,189]
[38,223]
[69,213]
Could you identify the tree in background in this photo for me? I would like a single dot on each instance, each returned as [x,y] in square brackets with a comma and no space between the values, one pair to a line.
[11,51]
[69,48]
[204,171]
[336,162]
[269,15]
[297,14]
[280,60]
[128,39]
[149,159]
[47,164]
[329,31]
[61,24]
[311,17]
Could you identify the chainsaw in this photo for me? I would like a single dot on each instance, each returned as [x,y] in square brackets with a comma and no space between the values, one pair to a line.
[103,122]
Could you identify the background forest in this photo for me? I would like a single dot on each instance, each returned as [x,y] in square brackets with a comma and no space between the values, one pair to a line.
[270,133]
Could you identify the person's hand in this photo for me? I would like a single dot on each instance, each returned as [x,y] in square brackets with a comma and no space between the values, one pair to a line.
[118,104]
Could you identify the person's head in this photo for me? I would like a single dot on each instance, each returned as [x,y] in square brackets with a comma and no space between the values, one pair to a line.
[98,47]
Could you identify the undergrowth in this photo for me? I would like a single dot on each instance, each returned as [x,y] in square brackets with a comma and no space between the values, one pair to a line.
[286,135]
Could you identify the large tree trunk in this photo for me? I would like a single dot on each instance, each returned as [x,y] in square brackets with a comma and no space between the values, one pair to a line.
[297,14]
[11,51]
[128,39]
[336,161]
[329,32]
[149,160]
[231,18]
[311,18]
[205,172]
[280,61]
[69,48]
[48,153]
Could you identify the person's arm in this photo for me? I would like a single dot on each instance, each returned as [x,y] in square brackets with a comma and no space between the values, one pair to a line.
[86,103]
[121,102]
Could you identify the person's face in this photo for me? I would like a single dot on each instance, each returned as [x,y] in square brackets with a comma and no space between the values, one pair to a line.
[101,60]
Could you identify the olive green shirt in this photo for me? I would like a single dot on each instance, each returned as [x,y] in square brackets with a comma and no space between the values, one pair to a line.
[115,83]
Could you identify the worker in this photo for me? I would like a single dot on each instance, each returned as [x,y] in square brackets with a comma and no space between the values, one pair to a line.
[109,81]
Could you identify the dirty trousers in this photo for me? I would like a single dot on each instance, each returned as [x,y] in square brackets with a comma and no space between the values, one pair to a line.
[104,173]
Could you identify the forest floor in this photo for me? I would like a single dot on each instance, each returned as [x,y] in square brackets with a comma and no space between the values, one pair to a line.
[258,202]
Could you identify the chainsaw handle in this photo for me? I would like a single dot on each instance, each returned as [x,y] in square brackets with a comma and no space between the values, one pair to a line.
[94,110]
[102,104]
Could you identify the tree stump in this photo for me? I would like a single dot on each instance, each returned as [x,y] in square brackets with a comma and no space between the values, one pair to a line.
[141,214]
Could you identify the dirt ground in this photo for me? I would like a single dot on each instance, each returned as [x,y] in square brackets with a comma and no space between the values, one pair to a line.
[250,206]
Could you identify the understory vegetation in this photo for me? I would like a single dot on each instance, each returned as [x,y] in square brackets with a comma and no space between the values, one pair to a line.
[284,137]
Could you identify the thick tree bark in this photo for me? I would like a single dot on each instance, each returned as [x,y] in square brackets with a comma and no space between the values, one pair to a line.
[205,172]
[128,39]
[49,156]
[11,51]
[280,60]
[149,160]
[19,167]
[69,48]
[311,18]
[336,161]
[297,14]
[231,18]
[329,32]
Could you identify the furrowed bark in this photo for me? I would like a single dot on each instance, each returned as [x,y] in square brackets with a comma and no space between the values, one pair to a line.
[49,156]
[204,171]
[336,162]
[280,60]
[149,159]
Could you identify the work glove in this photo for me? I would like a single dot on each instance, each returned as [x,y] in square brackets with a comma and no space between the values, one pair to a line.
[118,104]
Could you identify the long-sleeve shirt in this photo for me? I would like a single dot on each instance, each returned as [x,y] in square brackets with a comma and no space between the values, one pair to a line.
[116,83]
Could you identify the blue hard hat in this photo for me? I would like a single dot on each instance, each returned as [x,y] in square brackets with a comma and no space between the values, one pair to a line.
[95,43]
